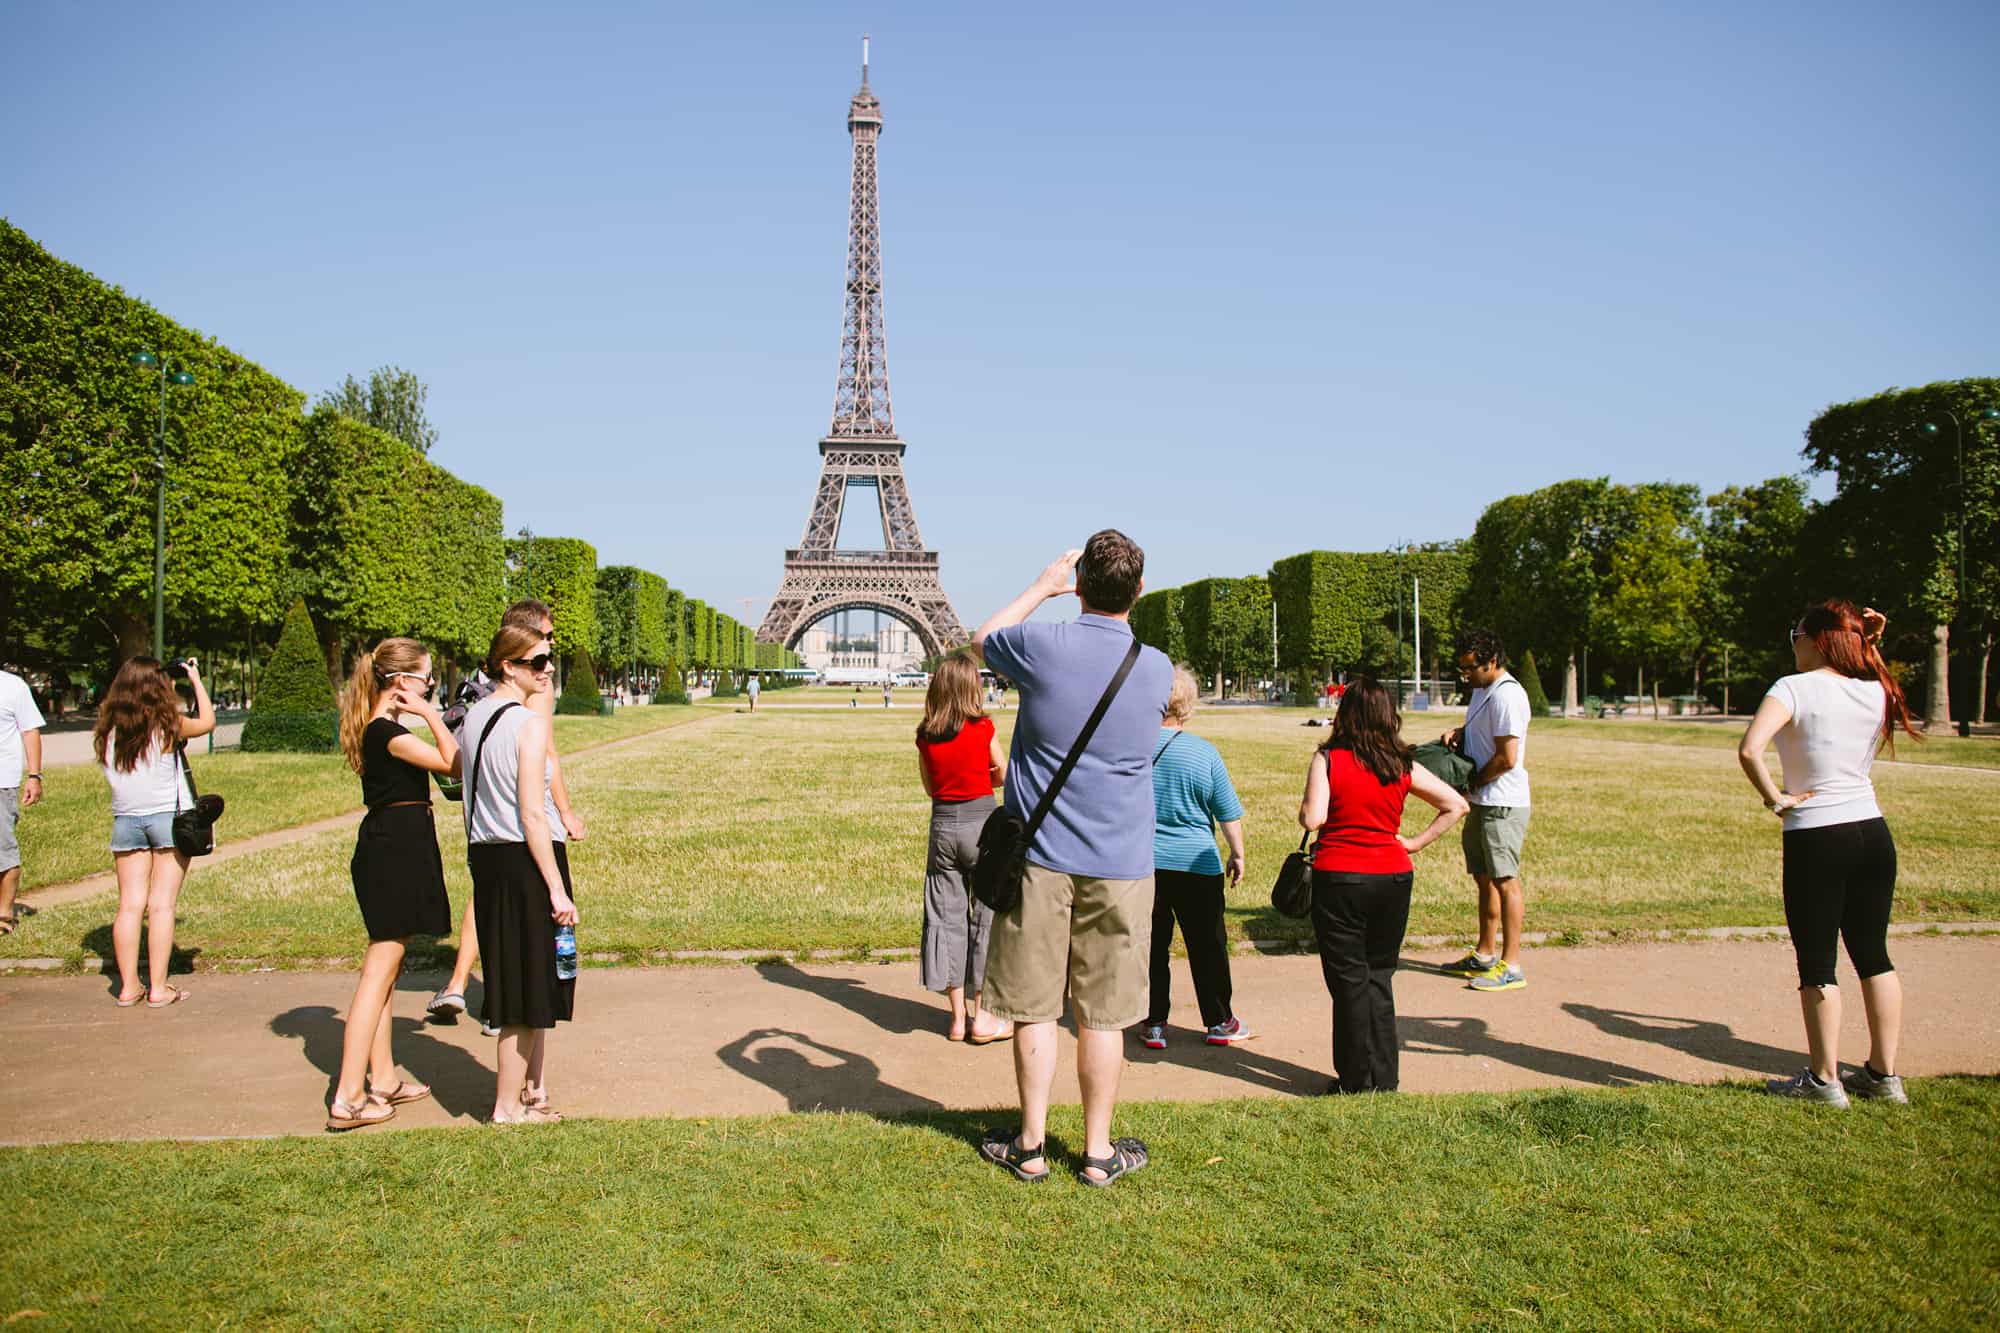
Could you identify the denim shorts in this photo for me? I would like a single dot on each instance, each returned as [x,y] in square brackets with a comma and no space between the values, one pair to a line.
[138,833]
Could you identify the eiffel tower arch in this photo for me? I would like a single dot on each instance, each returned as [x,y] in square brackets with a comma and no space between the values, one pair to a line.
[900,579]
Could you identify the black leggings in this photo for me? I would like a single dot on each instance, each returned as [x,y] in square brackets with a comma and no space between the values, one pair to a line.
[1839,881]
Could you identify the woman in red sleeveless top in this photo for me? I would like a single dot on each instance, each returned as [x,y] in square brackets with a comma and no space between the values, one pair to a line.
[1355,788]
[959,759]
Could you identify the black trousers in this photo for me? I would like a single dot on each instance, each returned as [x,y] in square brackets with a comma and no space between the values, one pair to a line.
[1197,901]
[1359,922]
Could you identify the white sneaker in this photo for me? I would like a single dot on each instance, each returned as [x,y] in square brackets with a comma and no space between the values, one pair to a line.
[1804,1087]
[1861,1082]
[446,1002]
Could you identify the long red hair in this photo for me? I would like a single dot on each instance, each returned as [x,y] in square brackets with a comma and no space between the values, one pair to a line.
[1848,643]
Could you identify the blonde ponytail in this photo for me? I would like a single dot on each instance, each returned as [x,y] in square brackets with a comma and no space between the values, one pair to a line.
[357,703]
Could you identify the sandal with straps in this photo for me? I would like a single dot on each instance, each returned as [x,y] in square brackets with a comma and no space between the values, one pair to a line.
[1004,1149]
[530,1115]
[404,1091]
[538,1102]
[340,1116]
[1126,1155]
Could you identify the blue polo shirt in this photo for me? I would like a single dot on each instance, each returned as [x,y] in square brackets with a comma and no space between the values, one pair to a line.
[1102,822]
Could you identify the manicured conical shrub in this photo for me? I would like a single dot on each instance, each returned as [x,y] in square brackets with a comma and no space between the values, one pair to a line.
[1531,681]
[579,693]
[295,708]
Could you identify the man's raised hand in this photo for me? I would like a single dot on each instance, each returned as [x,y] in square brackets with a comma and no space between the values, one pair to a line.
[1060,578]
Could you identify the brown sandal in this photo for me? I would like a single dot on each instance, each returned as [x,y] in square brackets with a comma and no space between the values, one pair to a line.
[340,1116]
[404,1091]
[176,994]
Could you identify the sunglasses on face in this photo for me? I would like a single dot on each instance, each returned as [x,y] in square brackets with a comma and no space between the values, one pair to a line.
[425,681]
[539,663]
[1795,634]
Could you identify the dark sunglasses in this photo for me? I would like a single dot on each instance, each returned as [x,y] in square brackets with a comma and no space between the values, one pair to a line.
[537,664]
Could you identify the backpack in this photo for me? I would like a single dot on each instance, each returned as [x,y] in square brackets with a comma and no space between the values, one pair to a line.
[470,691]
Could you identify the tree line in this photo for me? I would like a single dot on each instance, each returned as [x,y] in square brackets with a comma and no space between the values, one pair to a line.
[268,504]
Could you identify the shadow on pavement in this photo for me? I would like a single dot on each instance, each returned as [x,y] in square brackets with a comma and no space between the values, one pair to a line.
[1701,1038]
[891,1013]
[1472,1037]
[784,1061]
[97,940]
[1189,1048]
[461,1085]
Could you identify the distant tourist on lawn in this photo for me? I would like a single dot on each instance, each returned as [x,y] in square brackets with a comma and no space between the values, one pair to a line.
[1495,737]
[959,759]
[886,689]
[1356,785]
[137,740]
[1840,862]
[532,615]
[1192,794]
[20,782]
[754,687]
[1082,926]
[521,889]
[397,871]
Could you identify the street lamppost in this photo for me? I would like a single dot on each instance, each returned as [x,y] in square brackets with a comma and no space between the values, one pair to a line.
[152,361]
[1958,438]
[527,536]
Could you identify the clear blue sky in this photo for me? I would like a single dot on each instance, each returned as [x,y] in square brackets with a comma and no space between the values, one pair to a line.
[1242,285]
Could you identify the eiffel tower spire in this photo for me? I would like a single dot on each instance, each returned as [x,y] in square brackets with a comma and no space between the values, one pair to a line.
[861,449]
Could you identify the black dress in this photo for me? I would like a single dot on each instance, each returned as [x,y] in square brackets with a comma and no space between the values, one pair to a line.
[398,873]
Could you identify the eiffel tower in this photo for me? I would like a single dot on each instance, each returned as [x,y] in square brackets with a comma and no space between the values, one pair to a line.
[862,450]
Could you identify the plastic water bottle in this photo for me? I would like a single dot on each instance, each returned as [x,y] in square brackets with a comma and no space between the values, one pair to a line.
[566,953]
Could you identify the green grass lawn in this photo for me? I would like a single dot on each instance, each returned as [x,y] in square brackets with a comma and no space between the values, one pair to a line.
[1655,1207]
[786,831]
[66,837]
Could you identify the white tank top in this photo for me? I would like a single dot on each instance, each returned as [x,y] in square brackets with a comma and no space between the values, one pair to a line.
[149,789]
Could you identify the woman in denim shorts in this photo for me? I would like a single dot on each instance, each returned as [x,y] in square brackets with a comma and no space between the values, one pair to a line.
[139,729]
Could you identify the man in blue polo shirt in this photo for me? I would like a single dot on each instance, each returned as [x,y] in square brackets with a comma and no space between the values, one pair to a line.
[1084,923]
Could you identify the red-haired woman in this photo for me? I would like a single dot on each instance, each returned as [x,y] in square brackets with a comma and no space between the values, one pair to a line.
[1840,862]
[139,731]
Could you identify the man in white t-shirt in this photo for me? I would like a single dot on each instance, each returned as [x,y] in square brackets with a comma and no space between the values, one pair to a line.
[20,782]
[754,687]
[1494,737]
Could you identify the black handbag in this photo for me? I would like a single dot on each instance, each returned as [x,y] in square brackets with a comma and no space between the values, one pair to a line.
[194,828]
[1004,840]
[1292,895]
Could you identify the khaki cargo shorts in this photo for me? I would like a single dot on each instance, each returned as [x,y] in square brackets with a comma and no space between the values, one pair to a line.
[1089,937]
[1492,839]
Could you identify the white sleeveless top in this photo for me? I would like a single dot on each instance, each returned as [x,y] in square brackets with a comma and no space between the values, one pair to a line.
[149,789]
[497,817]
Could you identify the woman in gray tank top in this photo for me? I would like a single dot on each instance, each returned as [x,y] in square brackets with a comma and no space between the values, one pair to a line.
[521,888]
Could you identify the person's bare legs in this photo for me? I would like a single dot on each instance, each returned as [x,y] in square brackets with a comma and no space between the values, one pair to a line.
[364,1047]
[1034,1078]
[955,997]
[983,1026]
[1512,902]
[1100,1061]
[133,870]
[10,884]
[1821,1006]
[468,952]
[1489,917]
[533,1088]
[163,891]
[1882,996]
[516,1044]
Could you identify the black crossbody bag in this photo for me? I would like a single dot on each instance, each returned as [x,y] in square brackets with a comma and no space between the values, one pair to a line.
[193,828]
[1005,840]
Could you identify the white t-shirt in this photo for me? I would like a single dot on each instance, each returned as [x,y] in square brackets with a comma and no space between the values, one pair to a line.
[17,714]
[498,817]
[1829,746]
[149,789]
[1498,710]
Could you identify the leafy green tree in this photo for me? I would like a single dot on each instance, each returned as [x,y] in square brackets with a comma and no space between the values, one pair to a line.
[1752,544]
[294,708]
[1890,534]
[1530,676]
[579,692]
[1227,623]
[392,401]
[1156,622]
[561,571]
[1655,585]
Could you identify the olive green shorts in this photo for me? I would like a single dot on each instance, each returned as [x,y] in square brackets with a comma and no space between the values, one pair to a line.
[1091,938]
[1492,840]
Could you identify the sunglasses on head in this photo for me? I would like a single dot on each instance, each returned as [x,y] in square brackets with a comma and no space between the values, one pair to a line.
[537,664]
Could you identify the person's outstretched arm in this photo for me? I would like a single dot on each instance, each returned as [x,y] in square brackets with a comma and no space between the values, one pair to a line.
[1771,717]
[1450,807]
[1055,581]
[203,720]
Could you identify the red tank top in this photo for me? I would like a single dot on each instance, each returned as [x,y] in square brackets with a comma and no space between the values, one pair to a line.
[961,769]
[1362,819]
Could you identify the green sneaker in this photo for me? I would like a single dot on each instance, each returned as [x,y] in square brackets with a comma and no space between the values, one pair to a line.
[1472,965]
[1501,977]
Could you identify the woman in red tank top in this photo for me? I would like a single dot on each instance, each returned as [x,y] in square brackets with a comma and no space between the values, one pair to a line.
[1355,788]
[959,759]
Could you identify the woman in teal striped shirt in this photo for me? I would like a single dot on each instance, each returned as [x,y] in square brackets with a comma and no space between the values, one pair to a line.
[1191,795]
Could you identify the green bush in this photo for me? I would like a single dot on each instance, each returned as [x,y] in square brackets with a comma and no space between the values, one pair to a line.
[294,708]
[1531,681]
[579,693]
[725,687]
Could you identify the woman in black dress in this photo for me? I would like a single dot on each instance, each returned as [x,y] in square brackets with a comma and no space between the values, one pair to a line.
[398,874]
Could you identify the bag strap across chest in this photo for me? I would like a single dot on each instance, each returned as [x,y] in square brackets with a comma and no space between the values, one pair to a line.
[1048,800]
[479,762]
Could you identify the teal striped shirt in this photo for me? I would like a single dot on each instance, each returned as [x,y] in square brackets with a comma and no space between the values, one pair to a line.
[1191,792]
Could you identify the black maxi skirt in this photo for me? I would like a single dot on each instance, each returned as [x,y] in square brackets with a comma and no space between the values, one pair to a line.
[517,936]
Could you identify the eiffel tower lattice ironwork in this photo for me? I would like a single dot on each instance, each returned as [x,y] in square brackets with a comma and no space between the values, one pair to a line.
[862,450]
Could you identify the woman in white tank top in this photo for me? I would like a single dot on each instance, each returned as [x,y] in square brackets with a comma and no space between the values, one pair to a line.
[139,729]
